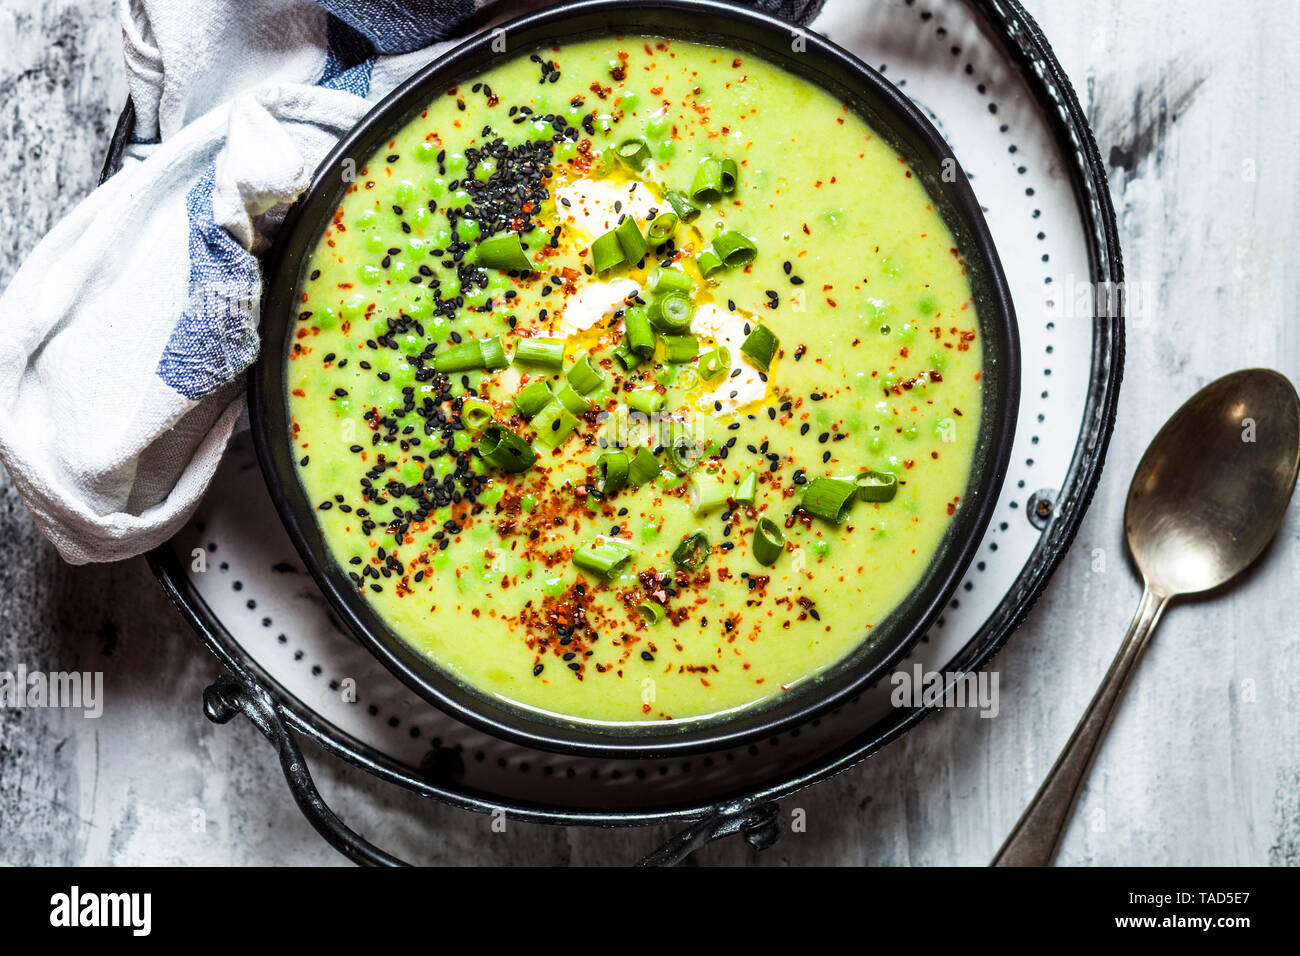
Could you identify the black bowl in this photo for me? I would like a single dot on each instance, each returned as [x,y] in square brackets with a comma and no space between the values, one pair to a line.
[892,115]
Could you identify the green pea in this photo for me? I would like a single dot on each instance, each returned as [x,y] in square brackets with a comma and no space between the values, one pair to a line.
[426,152]
[927,306]
[910,432]
[449,286]
[376,243]
[457,164]
[656,127]
[404,192]
[437,187]
[565,151]
[463,441]
[629,101]
[821,547]
[553,587]
[484,170]
[467,230]
[666,150]
[411,344]
[364,219]
[649,531]
[938,360]
[528,502]
[325,318]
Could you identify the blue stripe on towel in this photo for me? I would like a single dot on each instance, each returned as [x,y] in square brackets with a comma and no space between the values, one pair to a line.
[216,337]
[349,58]
[394,26]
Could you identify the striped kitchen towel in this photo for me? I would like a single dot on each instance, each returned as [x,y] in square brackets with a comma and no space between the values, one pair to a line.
[129,327]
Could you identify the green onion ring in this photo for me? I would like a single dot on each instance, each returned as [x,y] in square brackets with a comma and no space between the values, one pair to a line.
[542,352]
[607,252]
[876,485]
[630,238]
[571,400]
[715,363]
[647,400]
[627,359]
[645,466]
[830,499]
[585,376]
[768,542]
[661,228]
[730,172]
[533,398]
[640,336]
[554,424]
[652,611]
[686,210]
[708,263]
[672,313]
[680,348]
[706,187]
[605,558]
[735,249]
[747,490]
[708,494]
[760,347]
[476,414]
[692,552]
[664,281]
[611,472]
[633,153]
[503,449]
[505,252]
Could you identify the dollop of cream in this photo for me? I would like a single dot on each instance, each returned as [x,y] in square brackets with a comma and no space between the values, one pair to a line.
[592,207]
[592,302]
[727,329]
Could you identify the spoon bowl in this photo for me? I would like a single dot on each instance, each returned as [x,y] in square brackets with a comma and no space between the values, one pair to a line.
[1207,497]
[1212,487]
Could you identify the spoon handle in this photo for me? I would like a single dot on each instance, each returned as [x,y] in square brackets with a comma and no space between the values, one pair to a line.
[1037,834]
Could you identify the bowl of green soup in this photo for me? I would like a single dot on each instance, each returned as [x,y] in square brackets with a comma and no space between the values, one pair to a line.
[638,378]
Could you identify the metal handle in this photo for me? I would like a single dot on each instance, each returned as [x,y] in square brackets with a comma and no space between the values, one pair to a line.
[1037,835]
[225,698]
[761,824]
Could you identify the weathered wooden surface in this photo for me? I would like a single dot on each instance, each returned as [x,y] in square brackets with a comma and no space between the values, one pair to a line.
[1195,108]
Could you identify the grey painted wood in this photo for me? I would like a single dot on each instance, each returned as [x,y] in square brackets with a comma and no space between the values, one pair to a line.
[1195,110]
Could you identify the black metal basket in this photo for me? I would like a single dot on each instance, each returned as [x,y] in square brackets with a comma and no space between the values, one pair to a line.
[246,688]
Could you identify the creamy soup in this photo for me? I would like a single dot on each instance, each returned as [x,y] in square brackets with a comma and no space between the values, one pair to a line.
[635,380]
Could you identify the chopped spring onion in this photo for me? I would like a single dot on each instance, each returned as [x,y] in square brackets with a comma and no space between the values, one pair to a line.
[715,363]
[576,404]
[606,558]
[692,552]
[686,210]
[660,230]
[876,485]
[630,238]
[706,187]
[672,313]
[626,359]
[830,499]
[644,467]
[611,472]
[708,263]
[683,454]
[735,249]
[471,355]
[680,348]
[768,542]
[503,449]
[730,172]
[554,424]
[652,611]
[640,336]
[648,400]
[747,490]
[546,353]
[585,376]
[476,413]
[494,353]
[607,252]
[760,347]
[633,153]
[664,281]
[708,494]
[504,252]
[533,398]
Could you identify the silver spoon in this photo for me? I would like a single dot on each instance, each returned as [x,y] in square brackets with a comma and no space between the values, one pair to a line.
[1206,499]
